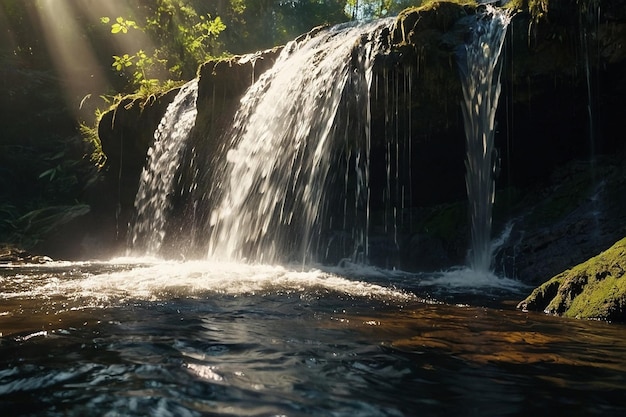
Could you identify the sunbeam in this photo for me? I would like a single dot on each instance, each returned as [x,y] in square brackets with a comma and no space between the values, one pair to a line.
[6,35]
[132,42]
[79,71]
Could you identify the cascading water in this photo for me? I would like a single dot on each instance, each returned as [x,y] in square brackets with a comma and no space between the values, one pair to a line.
[159,175]
[480,79]
[302,129]
[291,181]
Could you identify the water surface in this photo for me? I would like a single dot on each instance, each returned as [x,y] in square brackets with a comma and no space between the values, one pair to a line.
[137,338]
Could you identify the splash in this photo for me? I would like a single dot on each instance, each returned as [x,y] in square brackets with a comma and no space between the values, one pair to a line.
[463,278]
[480,79]
[131,279]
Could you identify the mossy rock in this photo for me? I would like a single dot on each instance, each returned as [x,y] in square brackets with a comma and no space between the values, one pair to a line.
[595,289]
[424,25]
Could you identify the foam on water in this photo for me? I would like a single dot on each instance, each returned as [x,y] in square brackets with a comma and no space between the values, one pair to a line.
[150,280]
[463,278]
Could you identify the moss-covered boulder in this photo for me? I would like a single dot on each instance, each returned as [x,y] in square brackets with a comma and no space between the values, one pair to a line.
[595,289]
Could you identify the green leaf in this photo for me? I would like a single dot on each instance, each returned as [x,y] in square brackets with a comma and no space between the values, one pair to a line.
[56,156]
[49,173]
[217,26]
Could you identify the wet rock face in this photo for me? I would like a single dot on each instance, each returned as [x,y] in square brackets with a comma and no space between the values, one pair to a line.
[126,132]
[573,216]
[584,216]
[564,80]
[221,86]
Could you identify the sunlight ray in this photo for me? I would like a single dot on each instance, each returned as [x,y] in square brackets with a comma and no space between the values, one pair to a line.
[7,40]
[112,9]
[79,70]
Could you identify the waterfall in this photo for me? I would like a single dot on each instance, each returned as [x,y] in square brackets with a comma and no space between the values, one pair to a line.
[158,178]
[480,79]
[296,161]
[300,175]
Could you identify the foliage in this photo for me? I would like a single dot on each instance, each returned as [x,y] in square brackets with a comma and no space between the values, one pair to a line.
[90,136]
[252,25]
[27,230]
[42,163]
[40,187]
[377,8]
[185,33]
[121,25]
[181,40]
[538,9]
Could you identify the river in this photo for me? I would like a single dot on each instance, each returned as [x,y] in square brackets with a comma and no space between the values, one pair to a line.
[143,337]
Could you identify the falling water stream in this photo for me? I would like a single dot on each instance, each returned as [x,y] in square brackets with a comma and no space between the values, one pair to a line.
[158,179]
[292,124]
[480,79]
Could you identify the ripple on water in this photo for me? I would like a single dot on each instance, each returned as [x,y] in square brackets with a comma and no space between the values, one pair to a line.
[194,339]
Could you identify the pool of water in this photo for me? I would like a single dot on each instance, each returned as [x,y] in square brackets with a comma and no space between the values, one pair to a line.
[152,338]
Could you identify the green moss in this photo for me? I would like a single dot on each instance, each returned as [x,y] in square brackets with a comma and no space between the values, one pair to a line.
[600,299]
[541,296]
[595,289]
[537,8]
[435,4]
[424,24]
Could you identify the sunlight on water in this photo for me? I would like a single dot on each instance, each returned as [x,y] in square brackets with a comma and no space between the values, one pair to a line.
[141,336]
[151,280]
[285,148]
